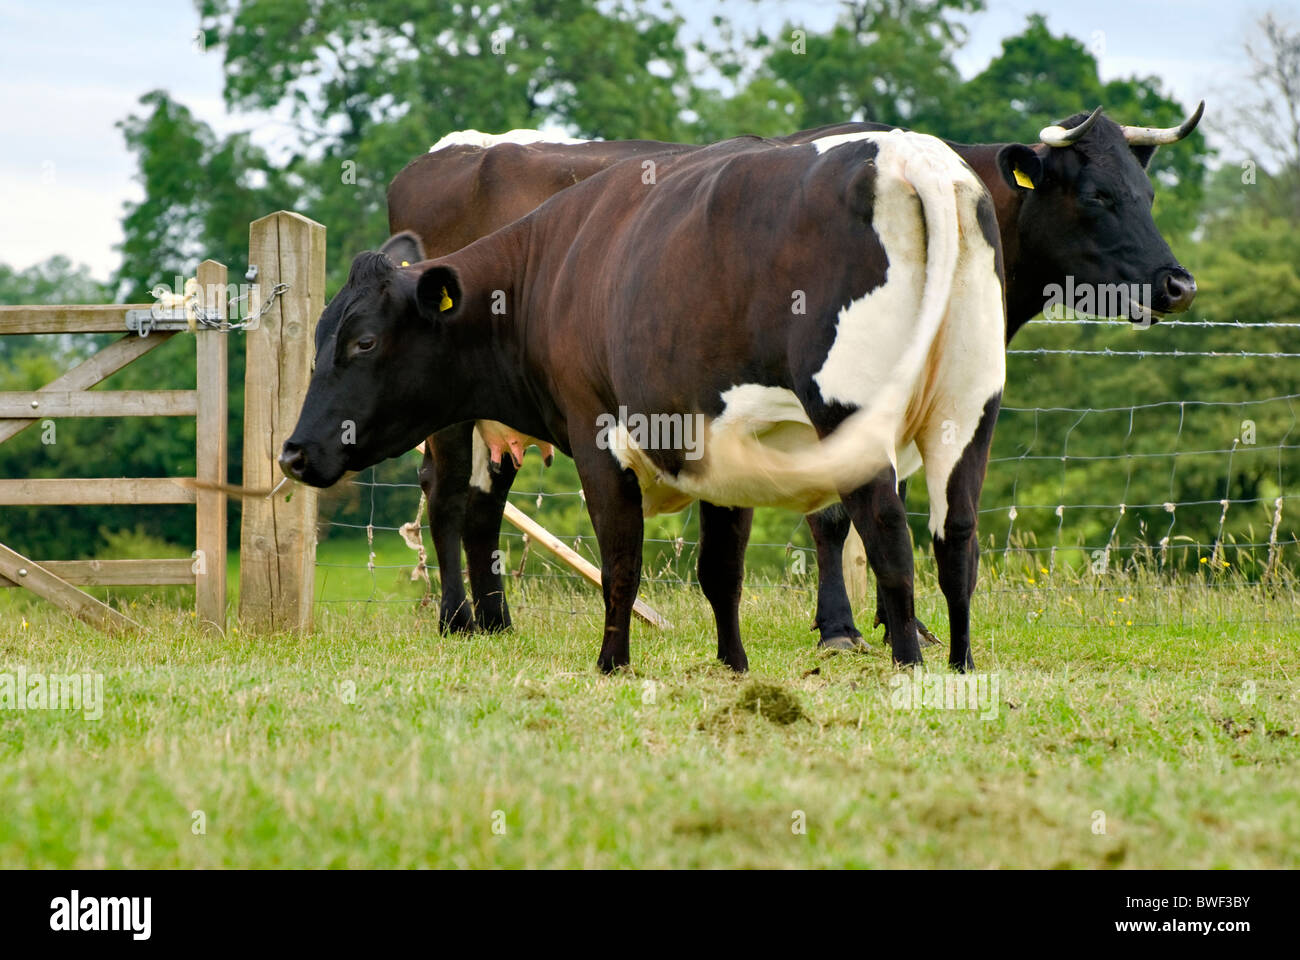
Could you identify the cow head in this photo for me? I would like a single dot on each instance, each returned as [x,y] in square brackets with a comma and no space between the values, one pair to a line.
[1085,213]
[372,380]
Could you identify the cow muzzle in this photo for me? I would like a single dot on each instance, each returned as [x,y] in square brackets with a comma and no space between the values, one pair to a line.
[1175,289]
[293,460]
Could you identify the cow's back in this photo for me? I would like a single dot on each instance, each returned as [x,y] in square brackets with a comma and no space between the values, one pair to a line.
[460,192]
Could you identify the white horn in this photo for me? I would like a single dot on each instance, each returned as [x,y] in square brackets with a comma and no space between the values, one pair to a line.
[1058,136]
[1155,136]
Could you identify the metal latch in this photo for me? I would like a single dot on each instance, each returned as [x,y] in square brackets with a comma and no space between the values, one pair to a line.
[145,322]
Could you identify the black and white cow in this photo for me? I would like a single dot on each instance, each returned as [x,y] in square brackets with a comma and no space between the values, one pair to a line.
[619,300]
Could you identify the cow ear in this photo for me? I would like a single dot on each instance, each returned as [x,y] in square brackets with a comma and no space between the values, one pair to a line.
[439,293]
[1144,155]
[403,248]
[1020,166]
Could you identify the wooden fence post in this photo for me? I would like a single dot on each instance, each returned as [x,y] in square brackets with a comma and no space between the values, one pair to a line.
[210,452]
[278,539]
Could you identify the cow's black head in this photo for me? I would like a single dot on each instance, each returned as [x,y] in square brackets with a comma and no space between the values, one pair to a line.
[376,350]
[1085,215]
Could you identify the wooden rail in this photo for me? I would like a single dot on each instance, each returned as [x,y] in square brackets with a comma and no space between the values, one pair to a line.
[116,573]
[107,491]
[103,403]
[73,318]
[86,374]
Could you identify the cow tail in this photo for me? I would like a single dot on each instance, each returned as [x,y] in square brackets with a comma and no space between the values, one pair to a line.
[864,444]
[936,183]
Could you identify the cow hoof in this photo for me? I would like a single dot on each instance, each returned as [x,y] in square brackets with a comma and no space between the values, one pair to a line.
[841,643]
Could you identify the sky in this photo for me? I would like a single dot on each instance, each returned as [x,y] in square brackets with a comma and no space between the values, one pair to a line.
[70,70]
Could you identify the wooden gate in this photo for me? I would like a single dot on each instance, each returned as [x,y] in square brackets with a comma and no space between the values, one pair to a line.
[70,396]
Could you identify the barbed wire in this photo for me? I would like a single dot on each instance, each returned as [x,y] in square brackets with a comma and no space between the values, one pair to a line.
[1170,325]
[1107,352]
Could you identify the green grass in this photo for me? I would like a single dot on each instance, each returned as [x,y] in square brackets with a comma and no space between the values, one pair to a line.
[373,742]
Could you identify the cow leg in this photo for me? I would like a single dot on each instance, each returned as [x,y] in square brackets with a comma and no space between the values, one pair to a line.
[444,477]
[956,554]
[482,548]
[614,503]
[834,622]
[724,531]
[881,521]
[956,548]
[880,599]
[922,630]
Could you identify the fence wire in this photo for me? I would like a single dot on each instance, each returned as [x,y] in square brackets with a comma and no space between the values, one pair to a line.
[1039,515]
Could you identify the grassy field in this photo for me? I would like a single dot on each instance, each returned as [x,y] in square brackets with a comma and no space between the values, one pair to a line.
[1125,724]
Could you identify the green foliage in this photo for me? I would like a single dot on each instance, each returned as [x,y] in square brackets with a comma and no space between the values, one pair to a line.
[886,62]
[55,280]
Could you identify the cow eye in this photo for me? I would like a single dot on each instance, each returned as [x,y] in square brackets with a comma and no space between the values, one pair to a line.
[365,343]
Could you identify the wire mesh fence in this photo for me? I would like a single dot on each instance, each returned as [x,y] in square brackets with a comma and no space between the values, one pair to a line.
[1125,462]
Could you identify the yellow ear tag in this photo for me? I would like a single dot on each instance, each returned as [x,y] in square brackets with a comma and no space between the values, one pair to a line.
[1022,179]
[445,305]
[406,263]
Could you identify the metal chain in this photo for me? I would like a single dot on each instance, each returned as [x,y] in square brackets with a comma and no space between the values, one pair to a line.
[215,323]
[145,322]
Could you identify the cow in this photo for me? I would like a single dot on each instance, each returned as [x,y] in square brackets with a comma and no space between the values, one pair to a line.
[1051,228]
[678,298]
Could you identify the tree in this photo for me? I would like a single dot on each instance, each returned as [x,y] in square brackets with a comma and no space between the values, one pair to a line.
[888,62]
[1267,116]
[200,194]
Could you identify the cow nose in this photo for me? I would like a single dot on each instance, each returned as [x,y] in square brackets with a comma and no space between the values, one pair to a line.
[293,460]
[1179,289]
